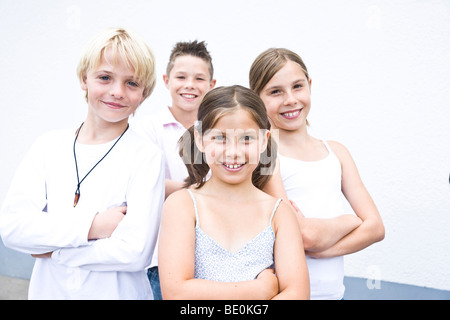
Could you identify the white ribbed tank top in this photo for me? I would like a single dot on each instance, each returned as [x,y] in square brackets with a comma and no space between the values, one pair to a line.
[315,187]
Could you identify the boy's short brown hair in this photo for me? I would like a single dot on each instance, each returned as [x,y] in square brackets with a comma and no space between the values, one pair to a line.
[193,48]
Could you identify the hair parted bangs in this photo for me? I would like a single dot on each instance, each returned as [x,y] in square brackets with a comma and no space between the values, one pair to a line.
[217,103]
[124,45]
[268,63]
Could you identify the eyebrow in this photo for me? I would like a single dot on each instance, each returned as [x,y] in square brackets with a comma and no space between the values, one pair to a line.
[181,72]
[241,131]
[279,87]
[112,73]
[103,71]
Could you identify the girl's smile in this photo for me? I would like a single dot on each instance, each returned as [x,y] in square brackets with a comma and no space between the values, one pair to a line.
[294,114]
[233,167]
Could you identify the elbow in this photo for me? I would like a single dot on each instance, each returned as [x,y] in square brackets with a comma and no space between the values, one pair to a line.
[139,265]
[7,242]
[379,232]
[139,261]
[312,241]
[171,295]
[5,233]
[301,293]
[308,241]
[294,293]
[134,259]
[12,241]
[173,291]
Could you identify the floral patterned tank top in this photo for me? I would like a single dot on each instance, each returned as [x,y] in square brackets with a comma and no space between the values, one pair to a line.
[213,262]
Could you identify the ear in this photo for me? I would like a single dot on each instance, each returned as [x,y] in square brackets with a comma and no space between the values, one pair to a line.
[264,141]
[83,84]
[212,84]
[198,141]
[166,80]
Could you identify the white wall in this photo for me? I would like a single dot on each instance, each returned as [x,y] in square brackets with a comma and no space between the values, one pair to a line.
[381,86]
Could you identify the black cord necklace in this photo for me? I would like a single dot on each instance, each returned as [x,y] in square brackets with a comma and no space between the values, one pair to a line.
[77,192]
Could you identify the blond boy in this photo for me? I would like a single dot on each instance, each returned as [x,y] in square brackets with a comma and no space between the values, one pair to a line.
[86,202]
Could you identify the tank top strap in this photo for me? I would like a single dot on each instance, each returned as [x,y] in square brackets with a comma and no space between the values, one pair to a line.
[274,209]
[327,146]
[195,206]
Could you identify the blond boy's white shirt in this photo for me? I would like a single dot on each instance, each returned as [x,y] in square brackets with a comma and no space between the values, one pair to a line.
[38,217]
[164,130]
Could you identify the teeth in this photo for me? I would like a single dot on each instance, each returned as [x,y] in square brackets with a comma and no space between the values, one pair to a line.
[292,114]
[189,96]
[233,166]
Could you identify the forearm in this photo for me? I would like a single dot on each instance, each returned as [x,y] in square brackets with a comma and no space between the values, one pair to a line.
[321,234]
[130,246]
[26,223]
[39,232]
[369,232]
[200,289]
[293,294]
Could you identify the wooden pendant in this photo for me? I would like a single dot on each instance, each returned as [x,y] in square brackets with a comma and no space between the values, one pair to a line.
[77,197]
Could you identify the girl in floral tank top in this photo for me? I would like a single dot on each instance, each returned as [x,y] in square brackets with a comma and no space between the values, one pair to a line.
[224,238]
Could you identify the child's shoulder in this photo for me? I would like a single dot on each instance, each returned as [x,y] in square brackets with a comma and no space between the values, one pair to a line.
[335,144]
[179,204]
[179,195]
[55,137]
[140,142]
[339,149]
[268,201]
[283,215]
[58,134]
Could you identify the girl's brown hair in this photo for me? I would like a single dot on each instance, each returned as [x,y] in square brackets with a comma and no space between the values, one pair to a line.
[268,63]
[215,104]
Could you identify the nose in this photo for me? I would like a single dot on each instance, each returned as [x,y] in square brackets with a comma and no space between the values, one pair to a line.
[233,149]
[189,83]
[290,98]
[117,90]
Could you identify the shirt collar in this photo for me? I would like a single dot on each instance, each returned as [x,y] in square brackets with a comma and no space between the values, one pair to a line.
[167,117]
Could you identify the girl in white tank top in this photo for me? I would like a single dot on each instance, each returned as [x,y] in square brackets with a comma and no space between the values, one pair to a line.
[315,175]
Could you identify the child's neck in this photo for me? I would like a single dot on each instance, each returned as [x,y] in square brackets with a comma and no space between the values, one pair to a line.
[97,132]
[228,192]
[186,118]
[293,137]
[288,139]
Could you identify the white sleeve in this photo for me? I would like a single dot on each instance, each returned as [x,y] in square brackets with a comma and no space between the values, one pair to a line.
[131,245]
[24,225]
